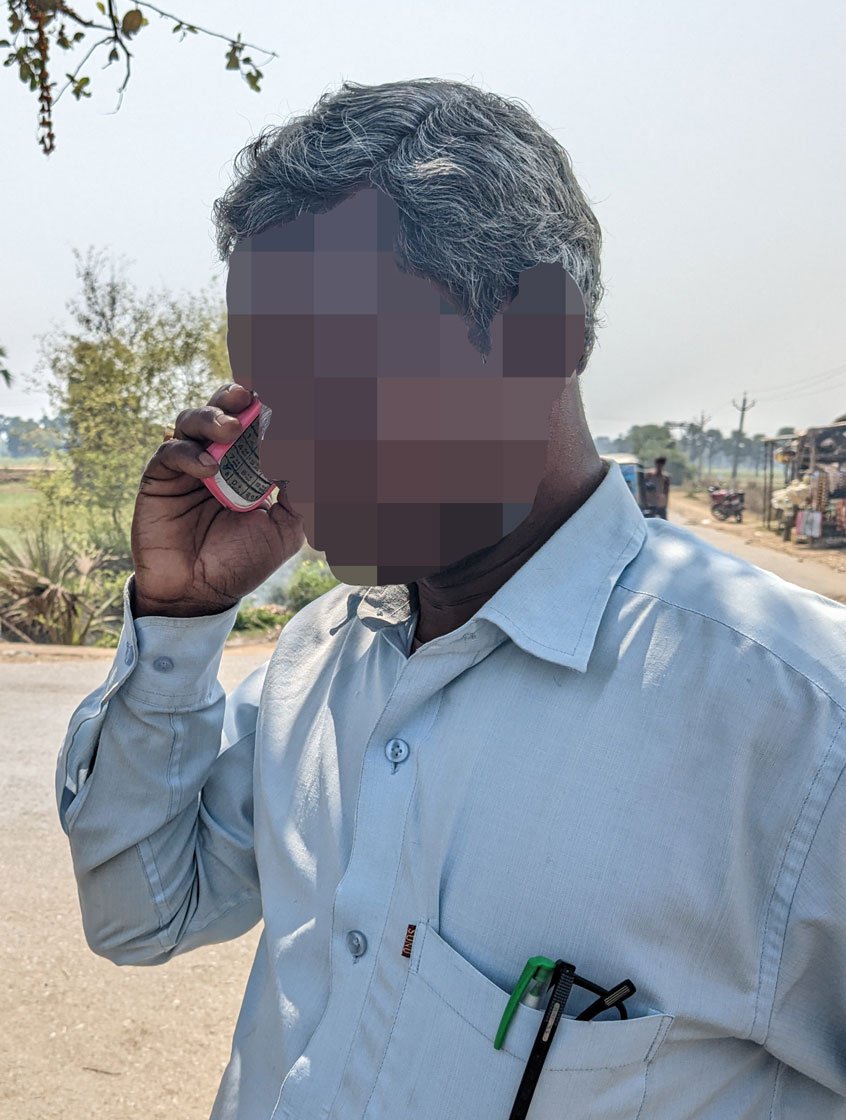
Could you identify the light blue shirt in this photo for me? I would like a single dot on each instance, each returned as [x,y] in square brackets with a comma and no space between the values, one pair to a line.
[631,757]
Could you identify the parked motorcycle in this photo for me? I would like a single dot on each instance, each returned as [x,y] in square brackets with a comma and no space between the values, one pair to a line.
[727,503]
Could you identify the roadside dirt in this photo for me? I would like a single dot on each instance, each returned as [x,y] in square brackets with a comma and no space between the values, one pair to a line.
[693,512]
[822,570]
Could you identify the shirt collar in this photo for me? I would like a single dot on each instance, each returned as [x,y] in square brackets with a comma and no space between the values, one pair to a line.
[552,606]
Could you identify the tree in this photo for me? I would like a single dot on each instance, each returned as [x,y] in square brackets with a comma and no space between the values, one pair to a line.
[121,372]
[40,27]
[757,453]
[714,444]
[32,437]
[644,438]
[649,441]
[20,436]
[694,443]
[4,373]
[604,445]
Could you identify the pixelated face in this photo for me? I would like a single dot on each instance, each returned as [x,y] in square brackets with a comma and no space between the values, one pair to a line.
[404,450]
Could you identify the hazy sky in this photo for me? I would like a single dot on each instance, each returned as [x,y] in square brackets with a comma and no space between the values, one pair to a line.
[709,139]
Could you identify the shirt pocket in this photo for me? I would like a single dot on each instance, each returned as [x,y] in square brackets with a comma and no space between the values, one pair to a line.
[440,1060]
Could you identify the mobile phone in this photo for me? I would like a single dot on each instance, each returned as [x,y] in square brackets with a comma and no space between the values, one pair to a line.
[239,483]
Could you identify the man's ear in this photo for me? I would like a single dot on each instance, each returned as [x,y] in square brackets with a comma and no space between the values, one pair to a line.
[548,292]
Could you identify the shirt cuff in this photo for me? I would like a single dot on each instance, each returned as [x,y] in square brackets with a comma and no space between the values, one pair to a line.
[175,660]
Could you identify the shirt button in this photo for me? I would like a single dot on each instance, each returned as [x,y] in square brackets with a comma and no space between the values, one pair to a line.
[356,942]
[163,664]
[396,750]
[128,655]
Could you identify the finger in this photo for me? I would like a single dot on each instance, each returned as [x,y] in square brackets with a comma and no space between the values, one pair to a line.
[287,522]
[210,424]
[232,397]
[184,456]
[283,499]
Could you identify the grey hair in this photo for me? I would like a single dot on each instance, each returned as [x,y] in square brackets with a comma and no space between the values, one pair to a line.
[483,191]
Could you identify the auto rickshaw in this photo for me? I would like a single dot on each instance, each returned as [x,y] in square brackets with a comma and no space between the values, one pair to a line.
[634,473]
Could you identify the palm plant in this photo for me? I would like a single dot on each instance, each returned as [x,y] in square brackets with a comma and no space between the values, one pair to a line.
[53,592]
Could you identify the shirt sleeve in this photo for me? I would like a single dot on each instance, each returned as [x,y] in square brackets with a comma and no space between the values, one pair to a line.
[154,788]
[807,1029]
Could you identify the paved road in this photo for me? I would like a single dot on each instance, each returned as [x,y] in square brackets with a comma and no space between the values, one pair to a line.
[82,1039]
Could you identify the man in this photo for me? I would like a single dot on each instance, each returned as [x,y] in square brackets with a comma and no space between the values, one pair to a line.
[555,729]
[658,488]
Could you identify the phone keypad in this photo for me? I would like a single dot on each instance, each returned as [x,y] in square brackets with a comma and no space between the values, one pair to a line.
[239,466]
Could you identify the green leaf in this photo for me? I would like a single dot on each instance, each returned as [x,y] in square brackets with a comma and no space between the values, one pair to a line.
[232,62]
[79,89]
[113,55]
[132,22]
[253,82]
[5,43]
[101,8]
[176,27]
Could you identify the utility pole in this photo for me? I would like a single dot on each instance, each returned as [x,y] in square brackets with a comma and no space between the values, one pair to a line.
[703,420]
[742,409]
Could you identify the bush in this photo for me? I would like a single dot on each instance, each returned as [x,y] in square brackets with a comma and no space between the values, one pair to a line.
[53,591]
[313,578]
[261,619]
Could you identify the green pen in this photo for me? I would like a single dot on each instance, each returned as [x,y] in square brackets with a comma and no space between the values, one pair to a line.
[531,986]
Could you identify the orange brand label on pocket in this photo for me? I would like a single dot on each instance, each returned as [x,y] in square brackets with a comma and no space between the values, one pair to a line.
[409,938]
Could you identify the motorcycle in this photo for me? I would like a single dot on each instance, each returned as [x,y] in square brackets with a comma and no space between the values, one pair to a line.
[727,503]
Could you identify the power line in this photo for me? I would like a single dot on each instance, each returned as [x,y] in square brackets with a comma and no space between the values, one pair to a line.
[835,371]
[806,392]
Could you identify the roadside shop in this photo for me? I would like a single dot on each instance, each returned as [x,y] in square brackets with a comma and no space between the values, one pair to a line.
[808,503]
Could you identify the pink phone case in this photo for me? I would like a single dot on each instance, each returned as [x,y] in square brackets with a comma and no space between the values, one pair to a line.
[222,487]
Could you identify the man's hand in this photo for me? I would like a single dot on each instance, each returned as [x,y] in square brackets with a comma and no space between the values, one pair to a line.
[192,555]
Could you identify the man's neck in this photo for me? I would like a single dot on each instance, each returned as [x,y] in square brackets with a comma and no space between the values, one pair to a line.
[451,596]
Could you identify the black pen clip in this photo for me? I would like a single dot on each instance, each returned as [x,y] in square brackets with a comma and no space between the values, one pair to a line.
[561,984]
[612,998]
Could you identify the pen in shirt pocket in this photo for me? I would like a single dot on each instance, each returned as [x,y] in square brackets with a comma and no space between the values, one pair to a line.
[554,980]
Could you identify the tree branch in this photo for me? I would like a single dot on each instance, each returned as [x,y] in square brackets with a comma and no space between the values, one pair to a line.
[91,50]
[205,30]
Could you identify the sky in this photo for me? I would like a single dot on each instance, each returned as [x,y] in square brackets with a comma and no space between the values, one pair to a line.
[708,139]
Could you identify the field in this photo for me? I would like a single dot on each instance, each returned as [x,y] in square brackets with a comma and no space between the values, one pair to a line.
[17,498]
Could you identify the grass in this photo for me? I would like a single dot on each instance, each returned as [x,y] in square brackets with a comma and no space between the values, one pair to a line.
[23,461]
[16,499]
